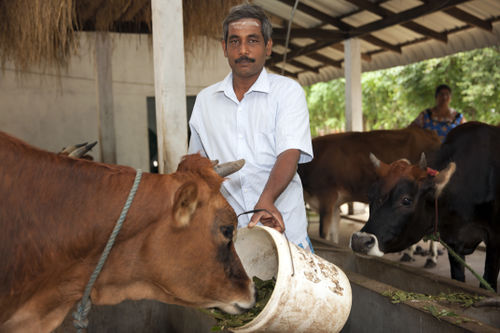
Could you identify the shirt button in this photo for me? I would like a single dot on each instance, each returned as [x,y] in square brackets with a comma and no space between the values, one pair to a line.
[240,136]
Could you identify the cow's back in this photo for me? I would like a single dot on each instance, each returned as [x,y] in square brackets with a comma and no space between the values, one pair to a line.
[475,148]
[341,161]
[42,196]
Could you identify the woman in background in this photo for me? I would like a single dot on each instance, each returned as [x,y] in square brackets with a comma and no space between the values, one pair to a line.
[440,118]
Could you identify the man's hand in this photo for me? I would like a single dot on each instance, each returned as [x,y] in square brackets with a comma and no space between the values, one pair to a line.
[269,216]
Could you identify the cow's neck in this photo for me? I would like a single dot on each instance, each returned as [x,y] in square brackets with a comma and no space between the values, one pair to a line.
[64,211]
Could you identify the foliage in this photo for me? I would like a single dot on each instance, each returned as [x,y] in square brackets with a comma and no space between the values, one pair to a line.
[224,320]
[462,299]
[393,97]
[436,304]
[326,105]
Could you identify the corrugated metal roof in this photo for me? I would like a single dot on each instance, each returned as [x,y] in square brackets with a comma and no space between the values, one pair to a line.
[392,33]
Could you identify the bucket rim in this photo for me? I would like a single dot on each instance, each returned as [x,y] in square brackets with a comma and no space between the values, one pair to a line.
[283,270]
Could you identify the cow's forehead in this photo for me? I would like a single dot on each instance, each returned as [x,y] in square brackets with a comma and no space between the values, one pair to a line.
[400,170]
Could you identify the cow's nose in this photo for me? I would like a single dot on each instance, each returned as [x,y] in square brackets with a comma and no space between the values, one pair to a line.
[362,242]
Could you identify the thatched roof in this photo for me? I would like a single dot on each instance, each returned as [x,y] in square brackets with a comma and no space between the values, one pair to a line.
[38,32]
[44,32]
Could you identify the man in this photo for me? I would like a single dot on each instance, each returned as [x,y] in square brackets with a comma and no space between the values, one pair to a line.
[262,118]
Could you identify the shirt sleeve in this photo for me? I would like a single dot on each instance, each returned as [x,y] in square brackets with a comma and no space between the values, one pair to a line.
[292,122]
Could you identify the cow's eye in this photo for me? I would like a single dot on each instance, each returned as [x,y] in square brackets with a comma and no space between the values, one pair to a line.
[227,231]
[406,201]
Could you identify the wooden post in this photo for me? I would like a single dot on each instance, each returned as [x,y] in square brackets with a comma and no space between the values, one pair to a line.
[352,72]
[104,86]
[170,83]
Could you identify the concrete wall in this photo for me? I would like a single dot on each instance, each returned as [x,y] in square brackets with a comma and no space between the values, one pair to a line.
[52,107]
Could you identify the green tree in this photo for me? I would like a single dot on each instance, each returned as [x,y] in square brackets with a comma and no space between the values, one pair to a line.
[392,98]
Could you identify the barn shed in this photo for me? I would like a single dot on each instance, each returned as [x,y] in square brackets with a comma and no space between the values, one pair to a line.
[126,73]
[84,70]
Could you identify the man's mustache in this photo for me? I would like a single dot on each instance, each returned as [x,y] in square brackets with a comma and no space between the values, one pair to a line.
[244,58]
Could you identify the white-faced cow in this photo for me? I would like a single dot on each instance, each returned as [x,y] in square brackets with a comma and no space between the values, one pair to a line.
[341,170]
[57,212]
[466,190]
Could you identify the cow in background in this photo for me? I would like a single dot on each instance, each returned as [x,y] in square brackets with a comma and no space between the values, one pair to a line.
[341,170]
[56,214]
[465,193]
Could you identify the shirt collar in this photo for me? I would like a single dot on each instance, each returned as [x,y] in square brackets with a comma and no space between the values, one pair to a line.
[261,85]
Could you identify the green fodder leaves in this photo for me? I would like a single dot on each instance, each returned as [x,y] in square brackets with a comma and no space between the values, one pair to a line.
[264,290]
[462,299]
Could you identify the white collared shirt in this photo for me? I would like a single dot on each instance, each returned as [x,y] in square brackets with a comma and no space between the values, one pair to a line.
[271,118]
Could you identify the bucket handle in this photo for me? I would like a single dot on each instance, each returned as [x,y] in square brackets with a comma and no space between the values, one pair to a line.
[288,242]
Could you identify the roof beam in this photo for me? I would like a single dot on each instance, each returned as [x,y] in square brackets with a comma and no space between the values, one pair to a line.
[344,27]
[383,12]
[379,42]
[304,66]
[405,16]
[399,18]
[319,15]
[469,18]
[280,70]
[315,33]
[278,58]
[300,51]
[340,47]
[326,60]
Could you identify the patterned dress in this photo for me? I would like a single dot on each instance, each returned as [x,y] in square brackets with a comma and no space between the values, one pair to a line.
[441,125]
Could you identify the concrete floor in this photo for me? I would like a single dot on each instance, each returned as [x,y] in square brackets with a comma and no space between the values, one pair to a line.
[347,227]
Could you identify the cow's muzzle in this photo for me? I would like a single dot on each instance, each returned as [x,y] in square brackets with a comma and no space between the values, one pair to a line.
[365,243]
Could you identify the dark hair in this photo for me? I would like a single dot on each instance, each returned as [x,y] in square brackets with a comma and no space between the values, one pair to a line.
[248,11]
[442,87]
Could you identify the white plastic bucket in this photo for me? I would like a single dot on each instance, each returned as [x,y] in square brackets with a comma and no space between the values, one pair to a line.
[310,295]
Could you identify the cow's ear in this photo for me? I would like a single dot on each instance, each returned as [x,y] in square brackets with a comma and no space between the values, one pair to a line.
[443,177]
[380,167]
[185,201]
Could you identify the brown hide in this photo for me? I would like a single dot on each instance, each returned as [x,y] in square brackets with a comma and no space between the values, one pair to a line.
[57,213]
[341,170]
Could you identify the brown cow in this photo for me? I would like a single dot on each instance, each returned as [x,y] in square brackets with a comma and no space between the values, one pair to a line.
[56,214]
[341,170]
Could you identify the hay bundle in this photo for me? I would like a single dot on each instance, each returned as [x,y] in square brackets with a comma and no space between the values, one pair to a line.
[204,18]
[36,32]
[43,32]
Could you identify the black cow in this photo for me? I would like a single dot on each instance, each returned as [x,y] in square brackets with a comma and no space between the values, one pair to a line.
[467,189]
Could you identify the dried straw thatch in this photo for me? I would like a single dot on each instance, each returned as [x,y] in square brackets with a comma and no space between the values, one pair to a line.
[43,32]
[33,32]
[204,18]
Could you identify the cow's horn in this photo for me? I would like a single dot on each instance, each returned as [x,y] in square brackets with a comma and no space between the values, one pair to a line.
[70,149]
[78,153]
[225,169]
[423,161]
[375,161]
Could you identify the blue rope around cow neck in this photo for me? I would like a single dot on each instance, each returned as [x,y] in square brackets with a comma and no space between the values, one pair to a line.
[80,315]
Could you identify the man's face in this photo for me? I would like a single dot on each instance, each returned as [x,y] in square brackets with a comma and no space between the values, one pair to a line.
[245,49]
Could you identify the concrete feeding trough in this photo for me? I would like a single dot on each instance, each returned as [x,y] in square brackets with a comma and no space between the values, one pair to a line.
[372,311]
